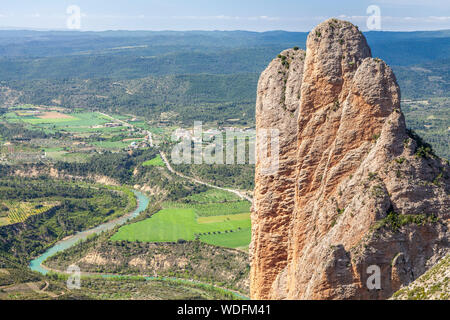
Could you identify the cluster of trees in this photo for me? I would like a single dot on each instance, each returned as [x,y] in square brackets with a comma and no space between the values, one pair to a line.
[13,130]
[119,166]
[206,262]
[127,169]
[23,189]
[426,80]
[431,121]
[236,176]
[191,97]
[81,207]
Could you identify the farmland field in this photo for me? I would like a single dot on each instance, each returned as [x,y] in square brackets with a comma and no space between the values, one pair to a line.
[212,195]
[82,119]
[79,133]
[223,224]
[216,208]
[155,162]
[48,119]
[20,211]
[239,239]
[4,221]
[62,155]
[224,218]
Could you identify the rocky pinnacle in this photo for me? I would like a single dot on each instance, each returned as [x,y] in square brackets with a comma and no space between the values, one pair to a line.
[355,191]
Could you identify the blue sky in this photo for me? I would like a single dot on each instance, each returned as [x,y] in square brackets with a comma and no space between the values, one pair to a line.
[255,15]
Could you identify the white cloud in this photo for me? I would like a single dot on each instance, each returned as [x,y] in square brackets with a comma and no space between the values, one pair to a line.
[427,3]
[222,17]
[440,18]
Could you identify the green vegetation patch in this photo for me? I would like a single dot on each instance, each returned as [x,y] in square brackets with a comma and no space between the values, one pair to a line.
[430,120]
[236,239]
[112,144]
[19,211]
[395,221]
[76,120]
[225,218]
[76,206]
[211,195]
[214,209]
[174,224]
[155,162]
[433,285]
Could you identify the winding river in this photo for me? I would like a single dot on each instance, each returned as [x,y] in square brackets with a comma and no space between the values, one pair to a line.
[36,264]
[142,201]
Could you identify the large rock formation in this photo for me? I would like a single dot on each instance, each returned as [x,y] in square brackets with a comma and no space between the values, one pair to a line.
[432,285]
[276,108]
[354,188]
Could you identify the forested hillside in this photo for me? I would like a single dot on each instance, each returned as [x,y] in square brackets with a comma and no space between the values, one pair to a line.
[207,76]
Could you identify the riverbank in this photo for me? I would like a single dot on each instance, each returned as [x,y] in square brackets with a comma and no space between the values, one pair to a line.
[36,264]
[68,242]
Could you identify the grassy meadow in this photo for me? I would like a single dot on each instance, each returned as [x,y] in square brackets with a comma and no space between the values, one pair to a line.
[225,224]
[155,162]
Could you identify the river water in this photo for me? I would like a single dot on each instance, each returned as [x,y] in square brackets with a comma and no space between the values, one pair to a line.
[143,201]
[36,264]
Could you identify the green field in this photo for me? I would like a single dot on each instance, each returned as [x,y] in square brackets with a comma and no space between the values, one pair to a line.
[85,119]
[4,221]
[215,208]
[214,216]
[239,239]
[86,126]
[173,224]
[212,195]
[78,120]
[38,121]
[155,162]
[224,218]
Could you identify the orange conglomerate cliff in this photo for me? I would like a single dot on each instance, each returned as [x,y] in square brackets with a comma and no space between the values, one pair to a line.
[354,188]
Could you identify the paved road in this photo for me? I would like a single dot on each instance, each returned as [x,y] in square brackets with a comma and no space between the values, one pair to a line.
[236,192]
[240,194]
[147,278]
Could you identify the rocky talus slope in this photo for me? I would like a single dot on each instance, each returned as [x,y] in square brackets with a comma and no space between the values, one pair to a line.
[354,188]
[433,285]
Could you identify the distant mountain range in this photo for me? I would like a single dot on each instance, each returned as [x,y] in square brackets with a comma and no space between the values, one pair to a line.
[206,75]
[398,48]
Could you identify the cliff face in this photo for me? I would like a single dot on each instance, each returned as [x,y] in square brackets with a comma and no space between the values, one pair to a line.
[276,108]
[354,189]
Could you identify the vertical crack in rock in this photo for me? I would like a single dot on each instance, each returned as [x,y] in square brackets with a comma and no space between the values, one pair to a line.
[351,190]
[276,108]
